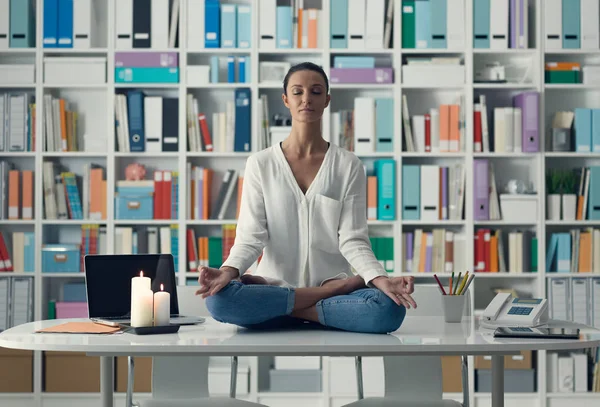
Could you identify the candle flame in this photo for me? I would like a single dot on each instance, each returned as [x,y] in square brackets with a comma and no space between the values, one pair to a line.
[161,288]
[141,273]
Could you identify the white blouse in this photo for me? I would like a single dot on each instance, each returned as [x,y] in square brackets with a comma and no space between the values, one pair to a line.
[310,238]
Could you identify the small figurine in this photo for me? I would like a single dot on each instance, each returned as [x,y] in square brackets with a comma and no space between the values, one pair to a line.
[135,172]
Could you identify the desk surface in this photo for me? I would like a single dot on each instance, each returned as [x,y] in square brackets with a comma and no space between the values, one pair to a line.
[416,336]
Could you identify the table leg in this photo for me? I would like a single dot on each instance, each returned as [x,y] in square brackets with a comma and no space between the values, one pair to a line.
[106,381]
[497,380]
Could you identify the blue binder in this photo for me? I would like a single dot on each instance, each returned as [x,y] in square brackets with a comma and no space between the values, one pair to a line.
[243,122]
[551,253]
[338,17]
[385,171]
[231,69]
[438,23]
[594,194]
[353,62]
[22,24]
[481,23]
[242,69]
[583,129]
[214,69]
[423,23]
[212,19]
[284,31]
[135,113]
[244,26]
[571,23]
[411,192]
[228,25]
[384,125]
[65,23]
[563,255]
[50,23]
[596,130]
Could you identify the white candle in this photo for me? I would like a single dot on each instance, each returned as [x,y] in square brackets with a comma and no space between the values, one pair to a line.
[142,299]
[162,307]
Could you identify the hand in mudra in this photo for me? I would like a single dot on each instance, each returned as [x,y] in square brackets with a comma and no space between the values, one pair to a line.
[398,289]
[212,280]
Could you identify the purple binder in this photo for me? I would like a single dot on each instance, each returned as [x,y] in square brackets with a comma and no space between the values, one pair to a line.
[481,201]
[362,75]
[146,59]
[529,102]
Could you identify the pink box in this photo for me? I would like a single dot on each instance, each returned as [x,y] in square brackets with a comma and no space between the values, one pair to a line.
[71,310]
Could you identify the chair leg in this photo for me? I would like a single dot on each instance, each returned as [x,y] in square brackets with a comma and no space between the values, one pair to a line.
[130,371]
[359,377]
[465,380]
[233,381]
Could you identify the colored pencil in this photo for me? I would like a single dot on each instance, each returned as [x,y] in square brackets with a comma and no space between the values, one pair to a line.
[439,284]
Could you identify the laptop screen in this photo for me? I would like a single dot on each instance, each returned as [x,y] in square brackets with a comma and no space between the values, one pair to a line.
[108,281]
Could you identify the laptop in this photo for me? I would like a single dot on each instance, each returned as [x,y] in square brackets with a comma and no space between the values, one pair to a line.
[108,286]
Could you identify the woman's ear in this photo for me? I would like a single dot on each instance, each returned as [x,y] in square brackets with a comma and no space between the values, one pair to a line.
[327,100]
[284,98]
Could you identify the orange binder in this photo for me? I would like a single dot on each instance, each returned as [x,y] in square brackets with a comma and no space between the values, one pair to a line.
[96,194]
[371,197]
[444,128]
[454,128]
[312,28]
[27,210]
[13,194]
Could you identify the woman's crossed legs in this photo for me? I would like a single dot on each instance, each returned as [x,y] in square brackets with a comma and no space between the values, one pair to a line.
[341,304]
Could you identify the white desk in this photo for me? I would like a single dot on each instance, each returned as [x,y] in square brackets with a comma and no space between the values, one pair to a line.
[417,336]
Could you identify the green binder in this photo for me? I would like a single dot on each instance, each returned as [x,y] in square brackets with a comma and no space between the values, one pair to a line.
[408,24]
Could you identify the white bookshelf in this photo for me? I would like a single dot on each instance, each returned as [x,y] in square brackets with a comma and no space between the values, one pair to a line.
[97,102]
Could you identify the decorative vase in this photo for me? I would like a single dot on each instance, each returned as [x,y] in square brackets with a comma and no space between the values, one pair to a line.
[553,203]
[569,206]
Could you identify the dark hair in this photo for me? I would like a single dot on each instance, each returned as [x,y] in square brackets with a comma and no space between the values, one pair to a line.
[305,66]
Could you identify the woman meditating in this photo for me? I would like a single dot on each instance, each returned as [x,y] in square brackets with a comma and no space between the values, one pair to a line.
[304,203]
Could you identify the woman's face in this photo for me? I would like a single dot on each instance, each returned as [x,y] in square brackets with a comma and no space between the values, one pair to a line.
[306,96]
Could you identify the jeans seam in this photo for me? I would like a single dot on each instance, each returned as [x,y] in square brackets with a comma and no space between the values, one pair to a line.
[320,313]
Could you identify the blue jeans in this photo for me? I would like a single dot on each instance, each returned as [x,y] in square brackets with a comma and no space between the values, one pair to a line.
[256,306]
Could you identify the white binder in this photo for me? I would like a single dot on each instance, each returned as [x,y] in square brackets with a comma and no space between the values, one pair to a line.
[590,24]
[418,129]
[364,125]
[159,24]
[518,129]
[4,24]
[579,300]
[356,24]
[558,294]
[153,117]
[21,301]
[455,24]
[430,194]
[553,24]
[375,24]
[195,24]
[82,24]
[124,24]
[499,24]
[595,301]
[268,23]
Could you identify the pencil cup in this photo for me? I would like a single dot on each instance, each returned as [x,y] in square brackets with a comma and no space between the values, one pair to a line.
[454,306]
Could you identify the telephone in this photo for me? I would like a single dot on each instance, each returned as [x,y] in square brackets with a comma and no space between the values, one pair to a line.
[504,310]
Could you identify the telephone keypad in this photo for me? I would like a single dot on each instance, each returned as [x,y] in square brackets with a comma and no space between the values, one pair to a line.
[520,311]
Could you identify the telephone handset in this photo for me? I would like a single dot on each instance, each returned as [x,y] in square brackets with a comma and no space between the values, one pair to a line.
[504,310]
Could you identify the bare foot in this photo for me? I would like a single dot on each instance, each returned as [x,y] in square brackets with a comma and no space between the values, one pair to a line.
[250,279]
[346,286]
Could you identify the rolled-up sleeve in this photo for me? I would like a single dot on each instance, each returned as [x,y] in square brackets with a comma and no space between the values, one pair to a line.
[251,232]
[353,231]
